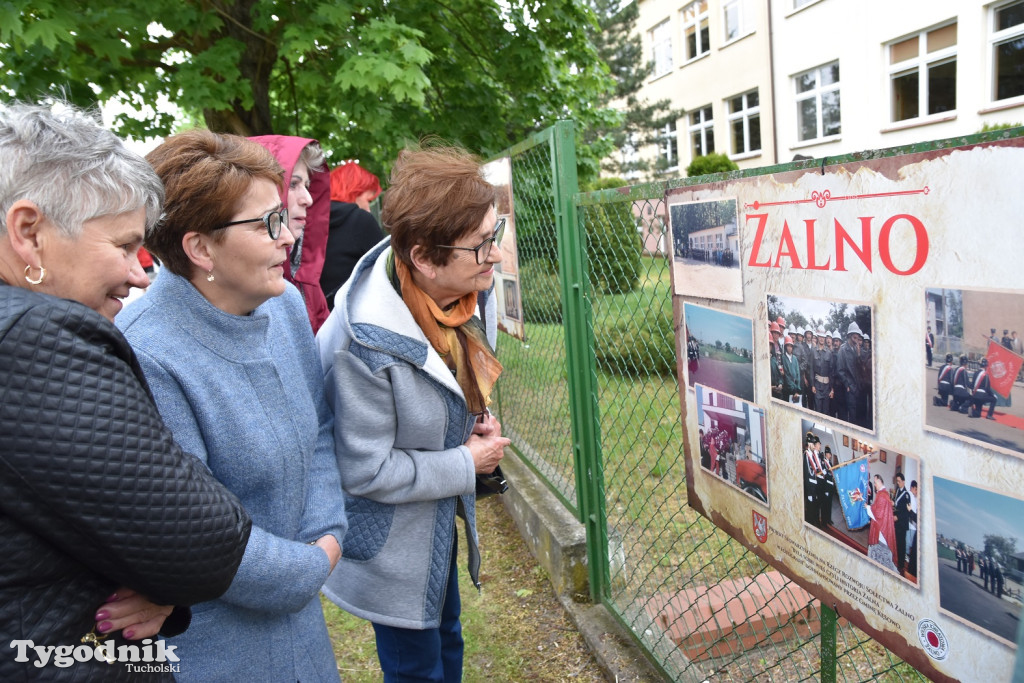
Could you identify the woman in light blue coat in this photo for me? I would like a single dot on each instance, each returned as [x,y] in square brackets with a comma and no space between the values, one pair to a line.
[408,372]
[227,348]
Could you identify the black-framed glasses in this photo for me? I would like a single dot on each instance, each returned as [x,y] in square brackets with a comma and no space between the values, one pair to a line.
[483,250]
[274,220]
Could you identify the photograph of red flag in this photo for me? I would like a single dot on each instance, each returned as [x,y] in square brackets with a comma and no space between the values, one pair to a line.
[974,367]
[1003,366]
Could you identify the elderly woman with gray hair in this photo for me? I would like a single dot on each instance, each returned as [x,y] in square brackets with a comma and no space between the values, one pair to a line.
[98,506]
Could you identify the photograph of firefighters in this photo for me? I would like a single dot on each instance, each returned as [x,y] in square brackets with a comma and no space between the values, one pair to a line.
[821,357]
[974,374]
[732,441]
[862,496]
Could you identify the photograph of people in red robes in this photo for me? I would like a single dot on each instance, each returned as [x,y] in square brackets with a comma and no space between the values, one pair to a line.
[861,500]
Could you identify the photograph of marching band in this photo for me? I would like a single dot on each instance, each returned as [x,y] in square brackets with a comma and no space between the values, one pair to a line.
[733,441]
[719,351]
[973,363]
[821,357]
[980,556]
[863,496]
[705,249]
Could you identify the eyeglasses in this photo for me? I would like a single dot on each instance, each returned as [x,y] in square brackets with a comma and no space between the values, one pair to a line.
[274,220]
[483,250]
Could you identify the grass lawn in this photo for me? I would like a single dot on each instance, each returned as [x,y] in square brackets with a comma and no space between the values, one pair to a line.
[515,629]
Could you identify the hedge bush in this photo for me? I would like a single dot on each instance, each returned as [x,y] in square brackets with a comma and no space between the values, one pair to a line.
[710,163]
[614,243]
[640,342]
[542,293]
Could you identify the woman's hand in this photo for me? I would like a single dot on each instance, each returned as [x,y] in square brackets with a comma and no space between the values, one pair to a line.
[131,613]
[486,444]
[329,544]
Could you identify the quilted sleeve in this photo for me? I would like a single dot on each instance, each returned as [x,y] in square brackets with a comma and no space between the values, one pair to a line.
[367,410]
[88,464]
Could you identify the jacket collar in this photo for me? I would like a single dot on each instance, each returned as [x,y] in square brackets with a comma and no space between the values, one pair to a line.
[370,301]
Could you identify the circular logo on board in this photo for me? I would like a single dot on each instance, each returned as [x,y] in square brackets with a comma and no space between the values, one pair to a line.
[933,640]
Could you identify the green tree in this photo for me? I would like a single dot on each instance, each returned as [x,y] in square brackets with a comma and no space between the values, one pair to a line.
[634,122]
[364,78]
[1000,547]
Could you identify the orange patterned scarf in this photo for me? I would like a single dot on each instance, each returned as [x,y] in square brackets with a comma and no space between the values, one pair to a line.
[463,347]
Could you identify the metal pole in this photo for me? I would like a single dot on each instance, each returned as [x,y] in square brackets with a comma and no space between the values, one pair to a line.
[828,644]
[581,365]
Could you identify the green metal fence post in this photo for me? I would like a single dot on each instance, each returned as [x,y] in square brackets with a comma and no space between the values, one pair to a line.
[828,644]
[582,375]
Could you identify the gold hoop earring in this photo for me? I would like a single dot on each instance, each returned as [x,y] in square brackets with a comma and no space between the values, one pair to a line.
[42,274]
[210,277]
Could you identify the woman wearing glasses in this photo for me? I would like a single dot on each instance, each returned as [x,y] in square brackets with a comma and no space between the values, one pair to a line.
[225,345]
[409,374]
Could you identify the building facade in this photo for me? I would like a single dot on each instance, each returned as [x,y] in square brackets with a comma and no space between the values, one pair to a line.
[767,81]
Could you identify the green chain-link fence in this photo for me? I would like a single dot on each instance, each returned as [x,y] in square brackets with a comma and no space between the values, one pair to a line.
[591,403]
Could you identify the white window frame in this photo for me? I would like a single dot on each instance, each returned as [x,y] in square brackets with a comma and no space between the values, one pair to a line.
[745,114]
[661,49]
[743,19]
[701,128]
[997,38]
[696,22]
[667,136]
[921,63]
[816,93]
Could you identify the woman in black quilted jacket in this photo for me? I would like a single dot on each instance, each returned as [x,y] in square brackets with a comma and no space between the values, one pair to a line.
[105,523]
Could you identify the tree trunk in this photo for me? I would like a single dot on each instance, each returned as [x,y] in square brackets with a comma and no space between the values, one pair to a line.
[256,65]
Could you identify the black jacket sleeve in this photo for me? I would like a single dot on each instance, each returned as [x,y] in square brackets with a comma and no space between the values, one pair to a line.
[88,468]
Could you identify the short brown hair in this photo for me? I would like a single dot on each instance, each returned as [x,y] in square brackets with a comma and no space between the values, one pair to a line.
[205,177]
[436,195]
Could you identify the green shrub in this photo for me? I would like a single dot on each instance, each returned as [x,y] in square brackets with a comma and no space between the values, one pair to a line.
[613,241]
[710,163]
[641,342]
[542,293]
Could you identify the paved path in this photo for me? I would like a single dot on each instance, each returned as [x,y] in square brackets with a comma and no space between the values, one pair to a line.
[966,597]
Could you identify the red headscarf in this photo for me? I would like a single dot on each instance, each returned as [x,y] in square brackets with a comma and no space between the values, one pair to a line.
[286,149]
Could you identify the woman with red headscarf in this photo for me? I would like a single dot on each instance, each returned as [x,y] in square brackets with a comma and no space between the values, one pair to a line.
[304,195]
[353,229]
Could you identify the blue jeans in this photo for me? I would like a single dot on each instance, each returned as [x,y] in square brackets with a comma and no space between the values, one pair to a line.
[432,655]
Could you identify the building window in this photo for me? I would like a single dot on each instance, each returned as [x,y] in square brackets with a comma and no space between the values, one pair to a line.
[668,148]
[817,102]
[736,17]
[1008,50]
[922,70]
[745,123]
[661,48]
[797,4]
[702,132]
[695,29]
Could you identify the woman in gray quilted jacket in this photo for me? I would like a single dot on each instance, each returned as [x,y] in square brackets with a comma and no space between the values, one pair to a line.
[409,371]
[97,502]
